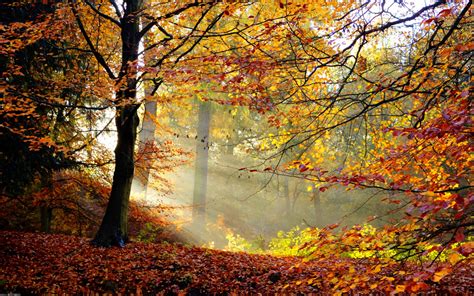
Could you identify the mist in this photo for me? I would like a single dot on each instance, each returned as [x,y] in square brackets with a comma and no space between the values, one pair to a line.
[241,197]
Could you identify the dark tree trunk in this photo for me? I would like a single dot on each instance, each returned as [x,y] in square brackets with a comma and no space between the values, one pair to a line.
[113,230]
[200,171]
[46,214]
[114,227]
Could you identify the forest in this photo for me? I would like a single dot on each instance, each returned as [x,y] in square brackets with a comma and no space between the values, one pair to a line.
[236,147]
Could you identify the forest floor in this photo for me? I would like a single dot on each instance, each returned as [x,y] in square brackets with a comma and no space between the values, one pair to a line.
[53,264]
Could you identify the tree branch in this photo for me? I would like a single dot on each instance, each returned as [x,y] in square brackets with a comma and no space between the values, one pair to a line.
[171,14]
[103,15]
[116,8]
[96,54]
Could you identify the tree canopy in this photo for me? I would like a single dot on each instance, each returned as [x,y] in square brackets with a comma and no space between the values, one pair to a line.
[373,97]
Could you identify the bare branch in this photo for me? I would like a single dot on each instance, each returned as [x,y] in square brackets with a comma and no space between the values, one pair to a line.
[171,14]
[116,8]
[101,14]
[96,54]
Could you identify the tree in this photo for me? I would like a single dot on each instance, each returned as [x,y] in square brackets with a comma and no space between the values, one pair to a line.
[416,146]
[126,22]
[201,166]
[393,70]
[42,116]
[320,70]
[114,228]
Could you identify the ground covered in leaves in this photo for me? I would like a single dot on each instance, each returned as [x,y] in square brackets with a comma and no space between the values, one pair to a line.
[45,264]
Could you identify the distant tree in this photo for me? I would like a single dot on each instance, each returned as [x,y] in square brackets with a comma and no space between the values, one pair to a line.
[202,163]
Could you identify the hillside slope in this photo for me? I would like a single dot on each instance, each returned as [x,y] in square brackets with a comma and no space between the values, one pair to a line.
[40,263]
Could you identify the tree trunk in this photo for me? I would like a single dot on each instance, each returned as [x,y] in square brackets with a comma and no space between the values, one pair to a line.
[114,227]
[286,195]
[113,230]
[200,171]
[147,134]
[317,207]
[46,217]
[230,147]
[147,138]
[46,212]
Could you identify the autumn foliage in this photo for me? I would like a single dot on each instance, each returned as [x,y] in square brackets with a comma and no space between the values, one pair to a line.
[140,268]
[369,96]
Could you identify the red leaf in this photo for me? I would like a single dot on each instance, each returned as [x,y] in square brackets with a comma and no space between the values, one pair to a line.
[428,21]
[303,169]
[445,12]
[459,237]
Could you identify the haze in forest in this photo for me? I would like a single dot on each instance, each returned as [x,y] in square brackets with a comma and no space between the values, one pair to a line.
[242,201]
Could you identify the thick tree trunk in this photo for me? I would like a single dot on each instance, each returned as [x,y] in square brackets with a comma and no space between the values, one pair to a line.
[200,171]
[114,227]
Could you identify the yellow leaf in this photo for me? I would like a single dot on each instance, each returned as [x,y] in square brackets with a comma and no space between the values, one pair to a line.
[440,274]
[454,258]
[377,269]
[400,288]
